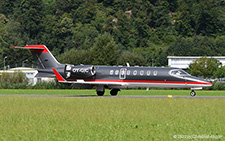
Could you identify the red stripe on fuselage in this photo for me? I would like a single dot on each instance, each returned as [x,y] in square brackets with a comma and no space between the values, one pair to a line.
[58,76]
[144,81]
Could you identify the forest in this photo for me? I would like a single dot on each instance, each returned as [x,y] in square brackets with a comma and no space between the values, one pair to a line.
[112,32]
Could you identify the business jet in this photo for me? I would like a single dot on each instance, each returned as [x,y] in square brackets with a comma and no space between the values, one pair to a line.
[112,77]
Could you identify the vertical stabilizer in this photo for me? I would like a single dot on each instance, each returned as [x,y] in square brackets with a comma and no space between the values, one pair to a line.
[43,57]
[46,62]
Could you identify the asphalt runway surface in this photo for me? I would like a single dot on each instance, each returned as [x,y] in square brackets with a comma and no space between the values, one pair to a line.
[119,96]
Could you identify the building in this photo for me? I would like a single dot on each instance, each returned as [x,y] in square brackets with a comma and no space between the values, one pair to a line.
[184,61]
[30,74]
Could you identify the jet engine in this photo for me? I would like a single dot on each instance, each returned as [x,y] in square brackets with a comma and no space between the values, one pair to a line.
[79,72]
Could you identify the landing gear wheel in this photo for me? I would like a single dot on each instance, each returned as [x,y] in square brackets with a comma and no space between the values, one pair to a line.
[114,92]
[192,93]
[100,93]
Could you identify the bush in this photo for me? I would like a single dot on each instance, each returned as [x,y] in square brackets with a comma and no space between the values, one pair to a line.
[15,80]
[50,85]
[216,86]
[18,80]
[44,85]
[219,86]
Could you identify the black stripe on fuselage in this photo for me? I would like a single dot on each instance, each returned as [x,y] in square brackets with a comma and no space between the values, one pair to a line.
[135,73]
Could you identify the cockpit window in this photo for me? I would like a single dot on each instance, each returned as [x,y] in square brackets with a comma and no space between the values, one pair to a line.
[178,73]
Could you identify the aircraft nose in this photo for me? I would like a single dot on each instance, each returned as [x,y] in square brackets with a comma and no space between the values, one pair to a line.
[207,83]
[199,81]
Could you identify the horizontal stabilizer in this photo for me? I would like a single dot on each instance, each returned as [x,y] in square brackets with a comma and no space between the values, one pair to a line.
[41,74]
[34,48]
[27,47]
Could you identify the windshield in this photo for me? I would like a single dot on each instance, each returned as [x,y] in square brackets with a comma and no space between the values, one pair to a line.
[178,72]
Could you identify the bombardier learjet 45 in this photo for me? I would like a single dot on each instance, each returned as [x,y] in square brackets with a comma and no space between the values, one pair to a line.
[112,77]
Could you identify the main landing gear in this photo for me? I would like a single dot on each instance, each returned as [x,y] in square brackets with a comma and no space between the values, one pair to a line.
[101,90]
[114,92]
[100,93]
[192,93]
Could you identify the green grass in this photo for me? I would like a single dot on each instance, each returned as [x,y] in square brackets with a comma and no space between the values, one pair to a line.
[122,92]
[32,118]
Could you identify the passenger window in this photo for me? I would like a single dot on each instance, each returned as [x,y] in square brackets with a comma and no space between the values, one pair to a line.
[135,72]
[116,72]
[111,72]
[148,73]
[128,72]
[142,72]
[155,73]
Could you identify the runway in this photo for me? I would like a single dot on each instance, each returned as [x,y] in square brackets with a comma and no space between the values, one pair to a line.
[119,96]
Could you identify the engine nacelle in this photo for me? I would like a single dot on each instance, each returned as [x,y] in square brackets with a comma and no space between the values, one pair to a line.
[79,72]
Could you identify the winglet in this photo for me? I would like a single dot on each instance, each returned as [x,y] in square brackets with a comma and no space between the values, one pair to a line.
[58,76]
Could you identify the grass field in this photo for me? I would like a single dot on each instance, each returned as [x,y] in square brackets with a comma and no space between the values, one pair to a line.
[122,92]
[30,118]
[99,118]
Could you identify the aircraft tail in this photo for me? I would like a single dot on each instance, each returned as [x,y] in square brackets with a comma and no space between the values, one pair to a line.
[45,60]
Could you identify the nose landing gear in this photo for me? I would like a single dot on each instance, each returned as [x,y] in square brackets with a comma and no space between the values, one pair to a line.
[192,93]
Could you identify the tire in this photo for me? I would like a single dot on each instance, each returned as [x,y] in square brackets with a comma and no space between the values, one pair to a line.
[114,92]
[100,93]
[192,93]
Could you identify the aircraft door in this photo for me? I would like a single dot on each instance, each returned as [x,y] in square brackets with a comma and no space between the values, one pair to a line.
[185,80]
[123,72]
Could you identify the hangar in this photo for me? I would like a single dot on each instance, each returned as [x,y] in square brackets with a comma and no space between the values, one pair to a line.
[184,61]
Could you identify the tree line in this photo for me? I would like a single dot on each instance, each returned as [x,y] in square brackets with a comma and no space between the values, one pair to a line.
[114,32]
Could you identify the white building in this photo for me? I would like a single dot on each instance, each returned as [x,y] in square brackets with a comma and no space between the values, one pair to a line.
[30,74]
[184,61]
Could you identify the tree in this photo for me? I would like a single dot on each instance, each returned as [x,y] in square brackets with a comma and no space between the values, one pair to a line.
[86,12]
[66,32]
[75,57]
[66,6]
[185,19]
[6,7]
[15,57]
[159,15]
[220,72]
[3,33]
[184,27]
[181,46]
[210,18]
[104,51]
[52,36]
[220,45]
[14,36]
[203,45]
[205,67]
[30,14]
[131,58]
[84,35]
